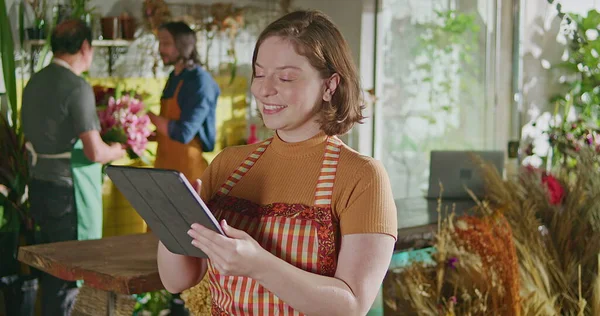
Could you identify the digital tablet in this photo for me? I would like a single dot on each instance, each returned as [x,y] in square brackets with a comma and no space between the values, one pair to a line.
[167,202]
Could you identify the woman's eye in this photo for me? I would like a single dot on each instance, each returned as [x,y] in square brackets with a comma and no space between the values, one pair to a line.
[285,80]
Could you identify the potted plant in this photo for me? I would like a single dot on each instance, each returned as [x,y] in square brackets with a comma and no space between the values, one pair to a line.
[15,223]
[38,29]
[80,11]
[76,9]
[16,226]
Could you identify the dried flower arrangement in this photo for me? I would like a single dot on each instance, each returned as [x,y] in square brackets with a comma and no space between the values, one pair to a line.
[532,251]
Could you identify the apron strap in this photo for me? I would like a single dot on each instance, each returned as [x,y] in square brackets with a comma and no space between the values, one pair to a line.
[243,168]
[331,157]
[35,155]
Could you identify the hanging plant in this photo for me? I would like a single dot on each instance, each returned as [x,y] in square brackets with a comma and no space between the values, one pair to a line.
[228,20]
[14,169]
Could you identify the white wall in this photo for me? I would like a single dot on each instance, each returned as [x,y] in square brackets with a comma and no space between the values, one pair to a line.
[346,14]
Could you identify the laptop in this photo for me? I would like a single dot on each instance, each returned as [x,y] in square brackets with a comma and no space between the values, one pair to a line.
[457,171]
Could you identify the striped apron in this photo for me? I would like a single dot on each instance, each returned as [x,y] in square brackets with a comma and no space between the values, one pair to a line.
[307,237]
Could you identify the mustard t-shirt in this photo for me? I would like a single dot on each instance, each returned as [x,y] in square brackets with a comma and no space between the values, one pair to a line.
[287,173]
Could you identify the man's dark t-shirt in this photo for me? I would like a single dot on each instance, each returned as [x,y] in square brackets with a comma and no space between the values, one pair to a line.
[57,107]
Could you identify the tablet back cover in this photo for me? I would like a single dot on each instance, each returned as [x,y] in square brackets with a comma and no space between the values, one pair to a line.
[166,204]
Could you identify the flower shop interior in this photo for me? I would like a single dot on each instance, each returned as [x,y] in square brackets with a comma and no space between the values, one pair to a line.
[501,94]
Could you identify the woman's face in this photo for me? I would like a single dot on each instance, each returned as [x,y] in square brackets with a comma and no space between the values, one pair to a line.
[287,89]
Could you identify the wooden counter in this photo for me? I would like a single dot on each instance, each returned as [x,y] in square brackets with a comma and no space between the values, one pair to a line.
[111,268]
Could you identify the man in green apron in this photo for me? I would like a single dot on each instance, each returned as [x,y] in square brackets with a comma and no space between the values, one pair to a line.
[66,153]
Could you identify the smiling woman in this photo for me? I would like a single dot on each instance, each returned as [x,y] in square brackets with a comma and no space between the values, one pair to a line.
[288,89]
[321,245]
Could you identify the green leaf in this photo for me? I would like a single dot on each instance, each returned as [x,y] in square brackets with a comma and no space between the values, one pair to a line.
[115,136]
[41,63]
[591,21]
[7,54]
[119,90]
[9,219]
[3,221]
[233,66]
[408,143]
[132,154]
[46,49]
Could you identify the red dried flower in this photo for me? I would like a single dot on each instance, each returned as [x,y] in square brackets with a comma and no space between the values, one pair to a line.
[556,192]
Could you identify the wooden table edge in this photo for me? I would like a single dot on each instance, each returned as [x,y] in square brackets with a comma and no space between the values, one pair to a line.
[93,279]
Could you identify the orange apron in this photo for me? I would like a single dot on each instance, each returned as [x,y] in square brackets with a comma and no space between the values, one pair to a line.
[306,236]
[171,154]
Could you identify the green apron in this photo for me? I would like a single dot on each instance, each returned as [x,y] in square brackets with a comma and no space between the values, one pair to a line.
[87,186]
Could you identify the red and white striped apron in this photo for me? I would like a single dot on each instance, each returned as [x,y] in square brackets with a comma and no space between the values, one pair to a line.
[307,237]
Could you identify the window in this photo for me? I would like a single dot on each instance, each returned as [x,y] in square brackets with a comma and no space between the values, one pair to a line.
[434,84]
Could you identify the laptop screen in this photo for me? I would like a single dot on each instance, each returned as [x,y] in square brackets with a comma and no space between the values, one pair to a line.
[457,171]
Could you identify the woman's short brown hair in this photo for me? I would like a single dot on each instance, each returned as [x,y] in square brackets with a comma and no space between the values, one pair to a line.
[318,39]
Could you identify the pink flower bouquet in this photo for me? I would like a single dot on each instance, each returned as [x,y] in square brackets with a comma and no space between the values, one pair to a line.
[124,121]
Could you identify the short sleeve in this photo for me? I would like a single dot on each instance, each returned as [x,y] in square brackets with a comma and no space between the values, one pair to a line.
[209,178]
[369,206]
[81,105]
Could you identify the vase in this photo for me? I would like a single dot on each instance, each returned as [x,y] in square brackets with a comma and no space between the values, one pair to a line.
[110,27]
[128,26]
[38,30]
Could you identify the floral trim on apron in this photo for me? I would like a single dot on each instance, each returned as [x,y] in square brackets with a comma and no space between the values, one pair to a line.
[307,237]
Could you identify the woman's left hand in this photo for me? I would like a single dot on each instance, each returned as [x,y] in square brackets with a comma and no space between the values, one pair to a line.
[236,254]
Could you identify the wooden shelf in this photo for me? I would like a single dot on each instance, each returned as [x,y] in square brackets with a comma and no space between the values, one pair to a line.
[113,47]
[96,43]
